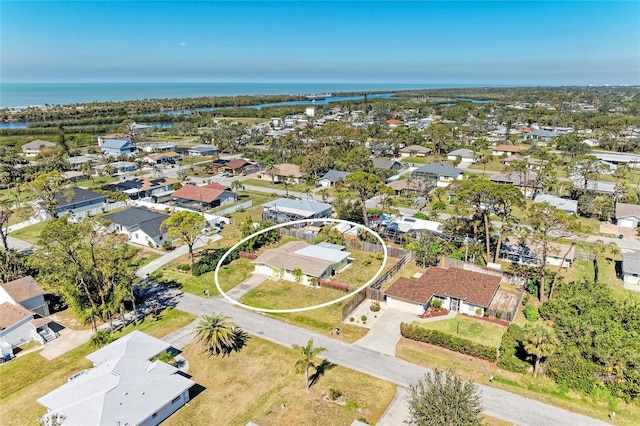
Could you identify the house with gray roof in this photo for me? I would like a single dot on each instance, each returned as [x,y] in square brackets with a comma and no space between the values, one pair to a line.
[331,178]
[124,387]
[386,164]
[564,204]
[437,174]
[34,148]
[542,135]
[627,215]
[631,268]
[203,150]
[465,155]
[118,146]
[76,199]
[140,225]
[286,210]
[313,261]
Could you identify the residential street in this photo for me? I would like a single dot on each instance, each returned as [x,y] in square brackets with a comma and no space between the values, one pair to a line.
[497,403]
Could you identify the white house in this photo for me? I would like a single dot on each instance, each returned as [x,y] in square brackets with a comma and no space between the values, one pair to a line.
[631,268]
[123,388]
[33,148]
[23,313]
[140,225]
[564,204]
[465,156]
[313,261]
[437,174]
[331,178]
[457,289]
[627,215]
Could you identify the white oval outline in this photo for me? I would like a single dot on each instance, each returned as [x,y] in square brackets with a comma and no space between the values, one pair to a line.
[306,308]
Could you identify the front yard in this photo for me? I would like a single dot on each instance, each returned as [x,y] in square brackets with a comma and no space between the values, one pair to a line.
[476,330]
[259,384]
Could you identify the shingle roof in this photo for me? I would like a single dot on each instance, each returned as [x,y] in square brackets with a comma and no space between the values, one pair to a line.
[514,178]
[37,144]
[11,314]
[631,263]
[511,148]
[148,221]
[383,163]
[334,176]
[627,210]
[146,183]
[311,260]
[204,148]
[125,388]
[116,143]
[286,169]
[472,287]
[439,169]
[23,289]
[464,153]
[78,195]
[197,193]
[236,164]
[416,148]
[558,202]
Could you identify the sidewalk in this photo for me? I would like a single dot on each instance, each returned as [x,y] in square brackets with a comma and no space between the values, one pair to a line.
[246,286]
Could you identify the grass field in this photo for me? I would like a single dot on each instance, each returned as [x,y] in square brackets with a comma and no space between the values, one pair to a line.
[30,233]
[294,189]
[259,384]
[31,376]
[476,330]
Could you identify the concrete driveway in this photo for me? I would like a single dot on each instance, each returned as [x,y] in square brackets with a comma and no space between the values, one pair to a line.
[68,340]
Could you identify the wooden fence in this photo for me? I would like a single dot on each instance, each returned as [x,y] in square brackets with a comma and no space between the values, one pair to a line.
[509,316]
[234,208]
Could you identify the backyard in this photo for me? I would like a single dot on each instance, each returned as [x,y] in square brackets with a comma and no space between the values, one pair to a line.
[259,384]
[32,376]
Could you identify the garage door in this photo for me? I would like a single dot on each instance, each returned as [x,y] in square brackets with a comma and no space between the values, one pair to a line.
[403,306]
[626,223]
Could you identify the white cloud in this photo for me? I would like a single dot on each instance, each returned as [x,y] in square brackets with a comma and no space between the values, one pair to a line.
[183,44]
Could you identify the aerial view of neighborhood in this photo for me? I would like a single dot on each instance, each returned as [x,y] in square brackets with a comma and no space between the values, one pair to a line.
[204,227]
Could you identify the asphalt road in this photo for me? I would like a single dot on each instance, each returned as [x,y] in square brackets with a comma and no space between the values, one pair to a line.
[497,403]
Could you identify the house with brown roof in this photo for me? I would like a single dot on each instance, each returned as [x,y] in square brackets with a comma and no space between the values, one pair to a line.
[286,173]
[415,151]
[627,215]
[314,261]
[24,314]
[237,166]
[163,158]
[509,150]
[204,197]
[458,290]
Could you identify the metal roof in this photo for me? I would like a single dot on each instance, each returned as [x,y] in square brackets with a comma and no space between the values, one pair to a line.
[439,169]
[557,202]
[631,263]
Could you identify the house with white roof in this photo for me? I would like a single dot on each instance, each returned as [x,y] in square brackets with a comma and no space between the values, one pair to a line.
[287,210]
[313,261]
[331,178]
[437,174]
[564,204]
[123,388]
[465,156]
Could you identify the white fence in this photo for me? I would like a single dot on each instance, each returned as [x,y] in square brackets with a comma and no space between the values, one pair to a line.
[234,208]
[146,202]
[79,213]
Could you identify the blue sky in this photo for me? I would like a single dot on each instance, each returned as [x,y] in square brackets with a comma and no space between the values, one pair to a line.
[504,42]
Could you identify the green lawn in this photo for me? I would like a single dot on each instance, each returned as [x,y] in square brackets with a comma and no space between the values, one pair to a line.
[294,189]
[30,233]
[32,376]
[230,276]
[286,295]
[476,330]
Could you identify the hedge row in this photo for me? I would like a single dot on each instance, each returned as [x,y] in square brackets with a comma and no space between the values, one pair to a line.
[448,341]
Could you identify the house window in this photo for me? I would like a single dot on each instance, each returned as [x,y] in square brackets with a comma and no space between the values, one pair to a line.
[176,399]
[154,415]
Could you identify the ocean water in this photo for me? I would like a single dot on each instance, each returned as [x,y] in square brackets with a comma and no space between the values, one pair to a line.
[27,94]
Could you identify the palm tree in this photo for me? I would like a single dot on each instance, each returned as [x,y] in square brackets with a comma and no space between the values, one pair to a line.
[273,171]
[286,187]
[307,192]
[218,335]
[305,361]
[86,170]
[323,193]
[541,341]
[236,185]
[297,275]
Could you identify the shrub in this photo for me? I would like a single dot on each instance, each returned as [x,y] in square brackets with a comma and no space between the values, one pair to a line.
[375,306]
[352,405]
[478,311]
[499,314]
[448,341]
[526,299]
[531,313]
[420,215]
[183,267]
[318,240]
[167,245]
[363,318]
[334,393]
[367,261]
[352,319]
[436,303]
[379,256]
[511,351]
